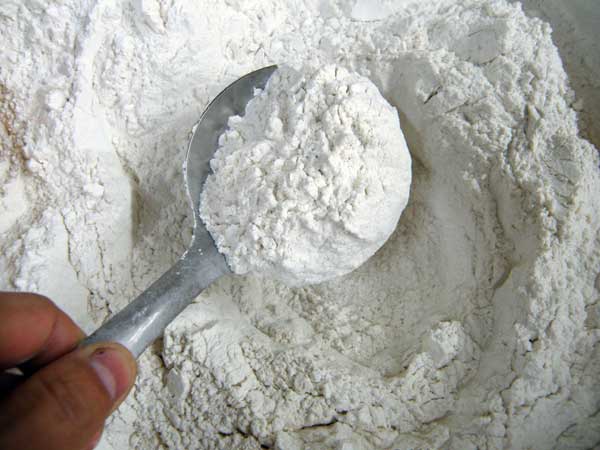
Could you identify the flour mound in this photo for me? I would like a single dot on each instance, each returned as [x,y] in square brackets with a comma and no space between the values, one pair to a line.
[311,181]
[477,324]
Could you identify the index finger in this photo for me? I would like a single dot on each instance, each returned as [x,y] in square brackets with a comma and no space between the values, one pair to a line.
[34,331]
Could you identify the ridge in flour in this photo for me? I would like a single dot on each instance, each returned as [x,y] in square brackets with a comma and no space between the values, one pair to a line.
[475,326]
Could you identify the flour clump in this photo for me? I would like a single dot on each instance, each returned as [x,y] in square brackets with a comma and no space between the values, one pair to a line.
[311,181]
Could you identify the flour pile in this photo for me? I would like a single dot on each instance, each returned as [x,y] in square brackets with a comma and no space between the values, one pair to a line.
[475,326]
[311,181]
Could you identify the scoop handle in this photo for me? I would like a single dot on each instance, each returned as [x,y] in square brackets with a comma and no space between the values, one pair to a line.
[142,321]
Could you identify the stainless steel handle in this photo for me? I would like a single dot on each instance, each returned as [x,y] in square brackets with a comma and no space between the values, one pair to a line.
[146,317]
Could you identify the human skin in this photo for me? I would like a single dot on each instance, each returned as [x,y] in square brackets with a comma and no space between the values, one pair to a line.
[65,393]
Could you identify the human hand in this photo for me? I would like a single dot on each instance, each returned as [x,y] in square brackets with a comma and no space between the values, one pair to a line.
[65,393]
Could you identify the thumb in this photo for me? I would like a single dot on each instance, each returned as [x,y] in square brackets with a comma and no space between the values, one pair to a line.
[64,405]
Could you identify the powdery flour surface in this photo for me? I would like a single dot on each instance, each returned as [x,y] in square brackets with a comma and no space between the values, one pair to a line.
[475,326]
[311,182]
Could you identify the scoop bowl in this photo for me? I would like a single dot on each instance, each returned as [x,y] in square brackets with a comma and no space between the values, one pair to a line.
[145,318]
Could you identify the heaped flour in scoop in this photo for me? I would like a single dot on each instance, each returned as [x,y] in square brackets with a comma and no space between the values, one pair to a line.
[311,181]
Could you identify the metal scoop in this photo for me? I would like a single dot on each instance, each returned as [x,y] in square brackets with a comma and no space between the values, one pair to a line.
[145,318]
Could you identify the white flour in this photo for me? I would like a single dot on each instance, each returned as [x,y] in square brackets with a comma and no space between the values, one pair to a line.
[311,182]
[574,27]
[475,326]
